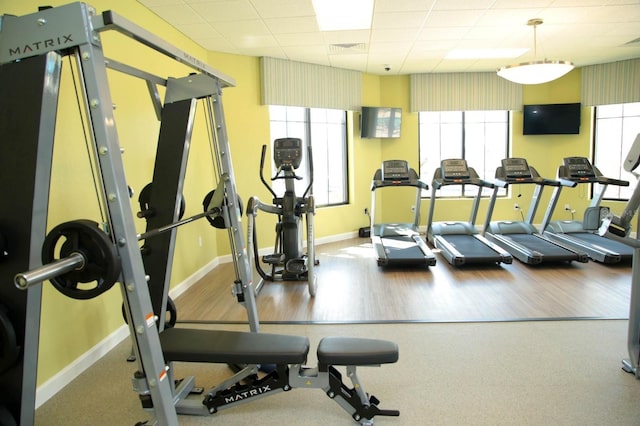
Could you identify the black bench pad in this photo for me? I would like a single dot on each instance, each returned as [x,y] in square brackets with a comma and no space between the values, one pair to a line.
[232,347]
[356,351]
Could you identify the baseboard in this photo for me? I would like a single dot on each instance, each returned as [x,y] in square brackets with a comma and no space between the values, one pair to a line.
[79,365]
[337,237]
[193,278]
[323,240]
[86,360]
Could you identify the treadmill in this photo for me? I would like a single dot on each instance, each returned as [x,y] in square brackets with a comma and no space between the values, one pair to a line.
[399,243]
[582,235]
[521,238]
[460,242]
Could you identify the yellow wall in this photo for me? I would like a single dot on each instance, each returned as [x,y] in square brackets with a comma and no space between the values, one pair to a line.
[71,327]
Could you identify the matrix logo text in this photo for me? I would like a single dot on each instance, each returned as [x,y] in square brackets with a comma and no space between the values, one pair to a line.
[39,45]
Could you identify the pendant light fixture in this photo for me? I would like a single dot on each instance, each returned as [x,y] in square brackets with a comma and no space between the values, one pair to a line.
[536,71]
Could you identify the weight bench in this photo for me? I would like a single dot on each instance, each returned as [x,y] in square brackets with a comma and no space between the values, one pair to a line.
[287,354]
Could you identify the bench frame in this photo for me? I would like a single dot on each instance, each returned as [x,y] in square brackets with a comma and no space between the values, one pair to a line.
[252,381]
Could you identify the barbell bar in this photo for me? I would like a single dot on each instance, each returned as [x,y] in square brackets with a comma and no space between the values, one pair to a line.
[76,261]
[88,253]
[24,280]
[162,229]
[74,253]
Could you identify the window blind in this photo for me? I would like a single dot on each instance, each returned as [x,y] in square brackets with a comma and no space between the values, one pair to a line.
[611,83]
[293,83]
[464,91]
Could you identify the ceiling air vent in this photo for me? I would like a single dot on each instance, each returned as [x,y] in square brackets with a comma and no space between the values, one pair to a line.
[347,48]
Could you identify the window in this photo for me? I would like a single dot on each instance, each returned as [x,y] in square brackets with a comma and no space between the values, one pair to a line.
[616,127]
[480,137]
[326,131]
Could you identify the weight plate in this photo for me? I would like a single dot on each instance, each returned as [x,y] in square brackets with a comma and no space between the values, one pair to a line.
[3,247]
[9,349]
[6,418]
[101,261]
[172,313]
[218,220]
[145,197]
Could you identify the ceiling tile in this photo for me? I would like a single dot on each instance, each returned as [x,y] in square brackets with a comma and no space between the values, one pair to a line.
[178,14]
[414,35]
[241,29]
[300,39]
[399,20]
[226,10]
[289,25]
[407,35]
[283,8]
[404,5]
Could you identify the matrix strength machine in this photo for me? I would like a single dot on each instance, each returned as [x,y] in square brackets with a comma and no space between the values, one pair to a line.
[83,258]
[521,238]
[399,243]
[583,235]
[460,242]
[288,262]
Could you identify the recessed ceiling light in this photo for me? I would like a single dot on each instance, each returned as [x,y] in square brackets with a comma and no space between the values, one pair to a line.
[335,15]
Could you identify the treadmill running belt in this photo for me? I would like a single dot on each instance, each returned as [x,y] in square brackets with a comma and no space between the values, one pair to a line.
[625,251]
[471,247]
[548,249]
[402,248]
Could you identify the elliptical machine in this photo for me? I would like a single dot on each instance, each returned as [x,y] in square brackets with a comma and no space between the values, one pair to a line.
[288,262]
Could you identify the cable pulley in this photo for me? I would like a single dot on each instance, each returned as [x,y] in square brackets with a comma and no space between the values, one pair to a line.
[78,258]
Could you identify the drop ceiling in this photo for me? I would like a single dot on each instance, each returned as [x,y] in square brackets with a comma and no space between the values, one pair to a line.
[413,36]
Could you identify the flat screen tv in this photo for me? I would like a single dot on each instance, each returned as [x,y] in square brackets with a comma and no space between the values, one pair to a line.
[551,119]
[380,122]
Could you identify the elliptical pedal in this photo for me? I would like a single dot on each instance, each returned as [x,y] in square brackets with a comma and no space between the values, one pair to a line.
[273,259]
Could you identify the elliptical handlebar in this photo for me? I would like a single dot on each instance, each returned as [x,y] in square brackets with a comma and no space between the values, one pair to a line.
[292,176]
[264,151]
[306,191]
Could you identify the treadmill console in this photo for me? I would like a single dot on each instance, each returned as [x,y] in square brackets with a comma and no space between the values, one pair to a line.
[516,168]
[454,169]
[579,168]
[395,170]
[287,153]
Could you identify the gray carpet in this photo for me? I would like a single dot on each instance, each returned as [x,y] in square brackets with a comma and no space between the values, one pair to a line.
[515,373]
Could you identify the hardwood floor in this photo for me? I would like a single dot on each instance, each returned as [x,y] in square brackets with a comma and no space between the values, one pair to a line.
[352,288]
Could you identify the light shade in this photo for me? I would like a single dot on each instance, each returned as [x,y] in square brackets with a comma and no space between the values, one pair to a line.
[535,72]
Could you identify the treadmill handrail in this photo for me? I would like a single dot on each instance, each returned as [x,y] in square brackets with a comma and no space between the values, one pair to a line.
[499,183]
[383,184]
[413,181]
[598,178]
[535,179]
[439,181]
